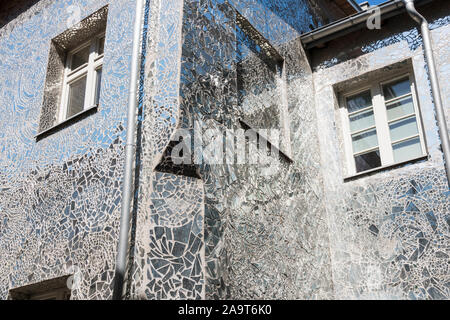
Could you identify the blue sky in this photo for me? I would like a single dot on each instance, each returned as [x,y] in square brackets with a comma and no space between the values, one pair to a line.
[371,1]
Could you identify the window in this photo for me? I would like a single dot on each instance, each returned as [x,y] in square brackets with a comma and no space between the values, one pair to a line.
[59,294]
[82,78]
[74,73]
[382,125]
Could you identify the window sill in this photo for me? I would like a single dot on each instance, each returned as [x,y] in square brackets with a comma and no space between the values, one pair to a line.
[383,168]
[69,121]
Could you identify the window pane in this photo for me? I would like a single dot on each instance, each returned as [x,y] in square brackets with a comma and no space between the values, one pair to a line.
[367,161]
[360,101]
[362,120]
[400,108]
[403,128]
[97,85]
[365,140]
[407,150]
[77,92]
[101,45]
[80,58]
[396,89]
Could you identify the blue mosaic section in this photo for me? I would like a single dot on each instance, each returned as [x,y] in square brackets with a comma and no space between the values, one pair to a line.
[60,196]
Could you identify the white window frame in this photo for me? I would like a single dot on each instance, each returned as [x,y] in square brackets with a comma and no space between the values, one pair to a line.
[381,123]
[89,70]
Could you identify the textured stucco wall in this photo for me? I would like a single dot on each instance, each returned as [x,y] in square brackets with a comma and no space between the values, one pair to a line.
[389,231]
[59,197]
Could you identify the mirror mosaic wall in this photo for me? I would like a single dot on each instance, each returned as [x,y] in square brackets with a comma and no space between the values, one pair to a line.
[293,230]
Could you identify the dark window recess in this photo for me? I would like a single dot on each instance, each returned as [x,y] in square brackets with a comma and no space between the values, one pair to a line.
[367,161]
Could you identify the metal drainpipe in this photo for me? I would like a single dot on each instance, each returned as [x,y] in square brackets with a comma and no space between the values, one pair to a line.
[428,49]
[130,150]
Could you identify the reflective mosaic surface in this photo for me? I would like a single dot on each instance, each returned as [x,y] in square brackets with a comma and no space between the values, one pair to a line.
[388,231]
[60,196]
[206,71]
[208,231]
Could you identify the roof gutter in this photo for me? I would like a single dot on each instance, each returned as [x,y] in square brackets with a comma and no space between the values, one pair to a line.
[428,50]
[352,23]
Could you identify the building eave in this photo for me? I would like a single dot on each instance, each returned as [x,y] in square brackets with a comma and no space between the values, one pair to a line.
[352,23]
[355,5]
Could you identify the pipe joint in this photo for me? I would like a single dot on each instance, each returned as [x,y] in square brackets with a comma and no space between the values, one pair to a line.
[416,16]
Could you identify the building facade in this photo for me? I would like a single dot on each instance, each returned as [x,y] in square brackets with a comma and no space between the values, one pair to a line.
[309,221]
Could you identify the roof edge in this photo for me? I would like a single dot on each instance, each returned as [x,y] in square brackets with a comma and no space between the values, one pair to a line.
[355,5]
[352,23]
